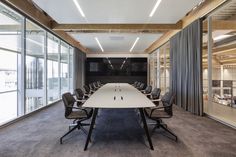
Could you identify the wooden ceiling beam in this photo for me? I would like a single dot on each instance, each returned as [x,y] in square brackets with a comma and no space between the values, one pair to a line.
[221,50]
[117,27]
[228,60]
[221,25]
[205,8]
[27,8]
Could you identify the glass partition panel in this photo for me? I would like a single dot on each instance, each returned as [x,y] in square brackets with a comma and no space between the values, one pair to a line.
[64,67]
[205,66]
[219,73]
[35,47]
[71,63]
[162,69]
[10,62]
[53,88]
[167,66]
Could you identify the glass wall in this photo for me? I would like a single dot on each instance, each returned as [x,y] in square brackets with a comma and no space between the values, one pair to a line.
[151,69]
[65,52]
[35,66]
[35,50]
[71,62]
[53,81]
[10,62]
[159,68]
[219,65]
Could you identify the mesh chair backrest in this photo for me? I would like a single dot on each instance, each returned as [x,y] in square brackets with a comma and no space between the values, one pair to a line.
[68,101]
[167,101]
[87,89]
[79,94]
[156,93]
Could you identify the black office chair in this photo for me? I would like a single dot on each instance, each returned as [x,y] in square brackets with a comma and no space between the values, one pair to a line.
[95,86]
[87,90]
[91,87]
[134,84]
[137,84]
[155,96]
[80,96]
[100,84]
[160,112]
[147,90]
[141,86]
[78,114]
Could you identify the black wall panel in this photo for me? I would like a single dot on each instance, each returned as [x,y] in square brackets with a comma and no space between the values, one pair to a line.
[123,70]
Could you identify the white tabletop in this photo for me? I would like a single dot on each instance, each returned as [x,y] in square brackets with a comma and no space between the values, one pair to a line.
[118,95]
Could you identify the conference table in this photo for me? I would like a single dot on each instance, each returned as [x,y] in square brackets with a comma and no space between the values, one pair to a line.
[117,96]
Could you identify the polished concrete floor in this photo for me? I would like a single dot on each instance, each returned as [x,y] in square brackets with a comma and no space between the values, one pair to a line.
[117,134]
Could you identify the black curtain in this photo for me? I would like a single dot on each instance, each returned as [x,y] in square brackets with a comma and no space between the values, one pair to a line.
[186,68]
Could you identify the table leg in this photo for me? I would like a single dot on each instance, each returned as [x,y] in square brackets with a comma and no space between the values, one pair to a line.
[146,128]
[91,128]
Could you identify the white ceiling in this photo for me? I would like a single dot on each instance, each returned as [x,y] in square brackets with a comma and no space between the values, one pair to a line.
[116,42]
[116,11]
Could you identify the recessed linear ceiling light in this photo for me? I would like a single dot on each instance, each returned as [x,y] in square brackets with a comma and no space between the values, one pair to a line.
[134,44]
[155,8]
[99,44]
[79,8]
[220,37]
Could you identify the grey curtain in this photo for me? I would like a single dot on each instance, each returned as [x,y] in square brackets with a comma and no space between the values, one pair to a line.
[79,68]
[186,64]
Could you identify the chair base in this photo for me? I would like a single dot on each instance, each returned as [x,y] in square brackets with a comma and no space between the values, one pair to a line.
[162,125]
[72,127]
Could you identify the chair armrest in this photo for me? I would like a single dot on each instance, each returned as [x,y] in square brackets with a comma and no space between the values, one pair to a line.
[80,101]
[79,108]
[155,100]
[87,94]
[156,108]
[147,94]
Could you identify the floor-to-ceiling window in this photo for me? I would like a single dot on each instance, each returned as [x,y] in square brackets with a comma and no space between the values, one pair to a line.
[53,81]
[10,62]
[219,64]
[64,63]
[35,50]
[71,62]
[35,66]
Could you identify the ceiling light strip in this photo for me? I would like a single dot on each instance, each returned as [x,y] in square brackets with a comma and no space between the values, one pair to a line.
[79,8]
[155,8]
[99,44]
[134,44]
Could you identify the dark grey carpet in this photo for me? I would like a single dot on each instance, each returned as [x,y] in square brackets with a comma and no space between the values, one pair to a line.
[117,134]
